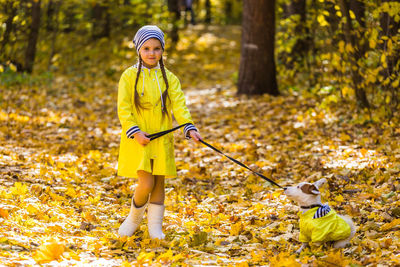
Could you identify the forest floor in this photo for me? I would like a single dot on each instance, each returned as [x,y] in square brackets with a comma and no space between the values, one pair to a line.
[61,202]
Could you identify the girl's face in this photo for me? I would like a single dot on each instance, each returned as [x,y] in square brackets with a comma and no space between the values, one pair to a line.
[151,53]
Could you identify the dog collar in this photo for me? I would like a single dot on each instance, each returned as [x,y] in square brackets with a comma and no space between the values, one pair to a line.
[311,206]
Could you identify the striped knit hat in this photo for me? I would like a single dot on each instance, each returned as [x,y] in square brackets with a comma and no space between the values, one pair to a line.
[147,32]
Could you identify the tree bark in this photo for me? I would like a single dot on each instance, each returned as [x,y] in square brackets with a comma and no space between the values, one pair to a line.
[101,21]
[54,29]
[11,11]
[208,12]
[33,36]
[390,28]
[257,72]
[350,39]
[173,7]
[300,49]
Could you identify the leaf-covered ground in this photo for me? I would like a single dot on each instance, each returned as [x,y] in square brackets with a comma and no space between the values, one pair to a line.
[61,202]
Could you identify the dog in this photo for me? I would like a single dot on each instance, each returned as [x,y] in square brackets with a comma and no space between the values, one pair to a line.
[319,223]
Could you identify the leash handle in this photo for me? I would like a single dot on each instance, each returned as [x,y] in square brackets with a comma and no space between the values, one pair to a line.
[159,134]
[241,164]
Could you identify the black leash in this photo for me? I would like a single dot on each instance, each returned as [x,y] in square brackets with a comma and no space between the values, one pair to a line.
[159,134]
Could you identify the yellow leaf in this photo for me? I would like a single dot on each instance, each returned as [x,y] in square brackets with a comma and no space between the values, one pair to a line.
[48,252]
[345,137]
[372,43]
[392,224]
[19,189]
[236,228]
[12,67]
[383,58]
[352,16]
[145,257]
[3,213]
[339,198]
[363,152]
[322,21]
[341,46]
[346,91]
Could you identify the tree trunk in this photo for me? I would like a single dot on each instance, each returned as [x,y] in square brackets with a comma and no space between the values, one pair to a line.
[208,12]
[300,49]
[257,73]
[33,36]
[54,27]
[228,7]
[348,30]
[11,11]
[390,29]
[101,21]
[173,7]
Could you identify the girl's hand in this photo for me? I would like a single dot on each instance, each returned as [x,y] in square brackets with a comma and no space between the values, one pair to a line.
[141,138]
[195,135]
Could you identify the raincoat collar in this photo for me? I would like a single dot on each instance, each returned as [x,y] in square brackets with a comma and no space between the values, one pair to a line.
[144,67]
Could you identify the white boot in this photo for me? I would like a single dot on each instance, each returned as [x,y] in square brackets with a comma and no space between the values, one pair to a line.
[155,215]
[131,223]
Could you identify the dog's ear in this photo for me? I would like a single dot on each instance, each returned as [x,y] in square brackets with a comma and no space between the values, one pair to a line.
[310,189]
[320,182]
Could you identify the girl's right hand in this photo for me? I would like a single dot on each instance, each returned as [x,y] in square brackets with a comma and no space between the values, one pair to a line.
[141,138]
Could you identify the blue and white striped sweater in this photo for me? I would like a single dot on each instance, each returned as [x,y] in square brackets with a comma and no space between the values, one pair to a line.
[322,211]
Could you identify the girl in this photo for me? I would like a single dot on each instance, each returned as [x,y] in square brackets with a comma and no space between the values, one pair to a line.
[148,94]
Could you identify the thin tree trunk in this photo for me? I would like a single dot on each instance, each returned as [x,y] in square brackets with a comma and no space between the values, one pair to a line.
[55,27]
[257,72]
[11,11]
[101,21]
[33,36]
[208,12]
[173,7]
[390,28]
[350,39]
[300,49]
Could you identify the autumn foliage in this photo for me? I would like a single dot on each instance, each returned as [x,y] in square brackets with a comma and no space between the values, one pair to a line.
[62,203]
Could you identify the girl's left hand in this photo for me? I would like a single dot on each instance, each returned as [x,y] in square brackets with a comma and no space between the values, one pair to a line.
[195,135]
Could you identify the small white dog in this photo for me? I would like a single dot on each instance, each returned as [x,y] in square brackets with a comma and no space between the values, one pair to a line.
[319,223]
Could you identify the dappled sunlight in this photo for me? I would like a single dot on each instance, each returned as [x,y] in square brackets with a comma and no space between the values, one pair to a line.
[61,199]
[352,157]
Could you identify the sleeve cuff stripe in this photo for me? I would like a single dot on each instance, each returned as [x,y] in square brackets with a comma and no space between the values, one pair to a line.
[188,128]
[132,131]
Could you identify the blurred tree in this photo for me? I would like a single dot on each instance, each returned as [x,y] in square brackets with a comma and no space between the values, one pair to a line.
[30,51]
[53,9]
[297,8]
[350,38]
[101,20]
[10,11]
[390,29]
[174,8]
[257,73]
[208,12]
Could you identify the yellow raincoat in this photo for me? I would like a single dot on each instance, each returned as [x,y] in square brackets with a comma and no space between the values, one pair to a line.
[327,228]
[132,155]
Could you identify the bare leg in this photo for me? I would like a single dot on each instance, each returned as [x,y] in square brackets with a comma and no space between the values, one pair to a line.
[158,194]
[138,205]
[144,188]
